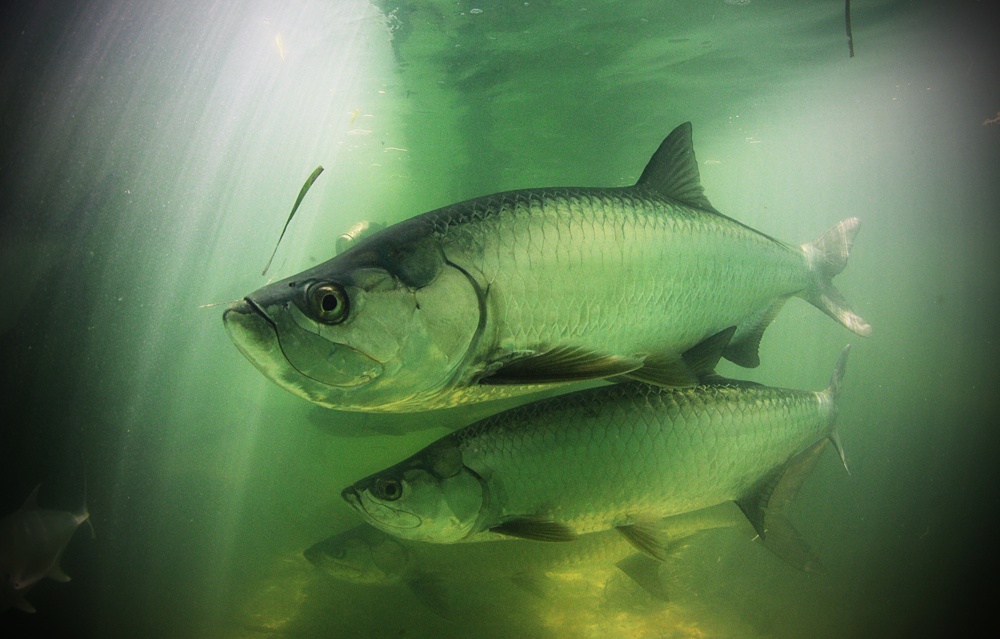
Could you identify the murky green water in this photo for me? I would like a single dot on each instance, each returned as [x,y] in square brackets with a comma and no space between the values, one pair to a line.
[150,152]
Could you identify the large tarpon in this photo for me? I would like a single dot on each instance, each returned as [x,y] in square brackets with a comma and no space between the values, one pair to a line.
[619,456]
[499,295]
[32,541]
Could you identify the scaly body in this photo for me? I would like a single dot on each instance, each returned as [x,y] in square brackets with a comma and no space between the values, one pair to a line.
[620,456]
[366,555]
[509,293]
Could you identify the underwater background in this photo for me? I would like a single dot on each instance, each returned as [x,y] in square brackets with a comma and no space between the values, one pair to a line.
[150,152]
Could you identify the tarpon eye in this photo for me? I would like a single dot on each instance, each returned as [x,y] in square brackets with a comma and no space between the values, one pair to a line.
[388,489]
[329,303]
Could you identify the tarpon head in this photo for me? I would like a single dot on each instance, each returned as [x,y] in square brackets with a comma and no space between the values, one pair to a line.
[432,496]
[362,555]
[377,328]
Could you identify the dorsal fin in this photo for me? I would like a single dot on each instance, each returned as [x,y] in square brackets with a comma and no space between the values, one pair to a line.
[673,171]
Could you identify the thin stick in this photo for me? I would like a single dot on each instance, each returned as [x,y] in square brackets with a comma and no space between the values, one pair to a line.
[298,200]
[847,20]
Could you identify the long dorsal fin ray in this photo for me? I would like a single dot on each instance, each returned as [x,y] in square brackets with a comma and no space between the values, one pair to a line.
[673,170]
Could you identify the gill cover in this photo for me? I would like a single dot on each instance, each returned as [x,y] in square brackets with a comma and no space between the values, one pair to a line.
[386,321]
[432,496]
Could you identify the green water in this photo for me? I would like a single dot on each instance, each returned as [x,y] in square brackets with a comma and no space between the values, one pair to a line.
[151,151]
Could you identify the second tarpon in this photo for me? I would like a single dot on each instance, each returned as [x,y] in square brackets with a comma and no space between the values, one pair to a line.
[512,292]
[366,555]
[621,456]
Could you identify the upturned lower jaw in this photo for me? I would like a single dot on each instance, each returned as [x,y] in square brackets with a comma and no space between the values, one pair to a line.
[352,497]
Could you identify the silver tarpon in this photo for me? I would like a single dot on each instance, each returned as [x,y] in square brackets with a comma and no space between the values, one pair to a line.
[508,293]
[366,555]
[32,541]
[620,456]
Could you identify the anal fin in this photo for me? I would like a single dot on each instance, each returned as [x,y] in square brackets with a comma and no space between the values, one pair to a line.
[695,366]
[744,350]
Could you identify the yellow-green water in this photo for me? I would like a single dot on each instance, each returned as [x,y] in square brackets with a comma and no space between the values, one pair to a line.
[151,151]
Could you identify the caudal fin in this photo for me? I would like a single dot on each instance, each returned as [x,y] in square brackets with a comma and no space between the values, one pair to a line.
[827,258]
[833,392]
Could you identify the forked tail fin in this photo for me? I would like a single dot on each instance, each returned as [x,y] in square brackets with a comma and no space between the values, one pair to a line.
[827,258]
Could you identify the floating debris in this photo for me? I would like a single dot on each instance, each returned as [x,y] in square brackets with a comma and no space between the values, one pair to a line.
[298,200]
[847,20]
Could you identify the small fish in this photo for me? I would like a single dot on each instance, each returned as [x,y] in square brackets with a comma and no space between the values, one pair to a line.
[510,293]
[32,541]
[357,232]
[622,456]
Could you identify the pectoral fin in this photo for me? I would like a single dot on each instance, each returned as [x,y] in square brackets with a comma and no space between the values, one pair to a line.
[535,530]
[561,364]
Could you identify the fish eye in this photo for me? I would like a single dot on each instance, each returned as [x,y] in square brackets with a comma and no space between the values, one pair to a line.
[388,489]
[329,303]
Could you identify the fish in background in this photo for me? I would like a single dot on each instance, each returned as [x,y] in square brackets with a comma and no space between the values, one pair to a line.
[509,293]
[621,456]
[364,555]
[32,541]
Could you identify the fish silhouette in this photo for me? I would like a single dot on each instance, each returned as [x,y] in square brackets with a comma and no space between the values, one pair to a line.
[32,541]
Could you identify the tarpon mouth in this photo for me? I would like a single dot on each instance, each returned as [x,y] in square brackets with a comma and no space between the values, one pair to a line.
[353,497]
[257,334]
[257,309]
[247,323]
